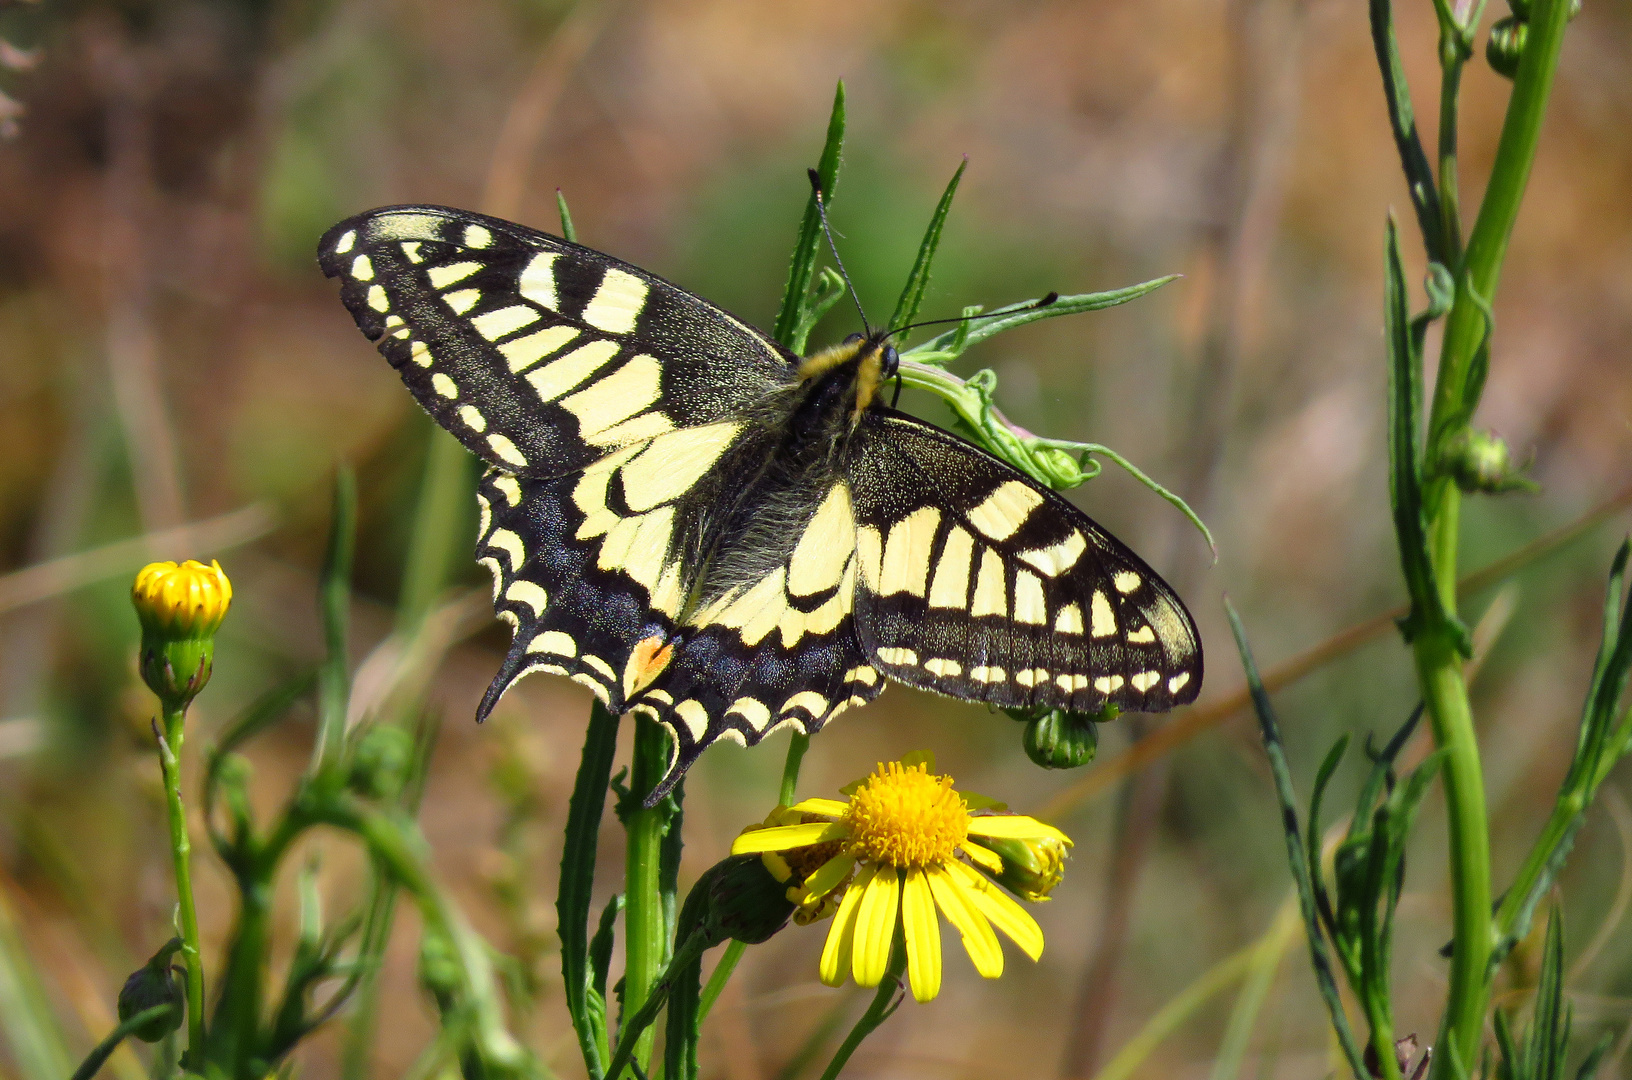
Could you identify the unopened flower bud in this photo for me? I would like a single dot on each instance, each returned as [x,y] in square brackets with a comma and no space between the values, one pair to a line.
[153,984]
[380,762]
[1506,45]
[745,900]
[1031,868]
[180,608]
[1056,739]
[1479,461]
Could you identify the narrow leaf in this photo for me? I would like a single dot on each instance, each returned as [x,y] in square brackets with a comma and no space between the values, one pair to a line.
[334,594]
[1269,729]
[948,345]
[912,296]
[1419,175]
[803,265]
[1404,445]
[578,879]
[568,230]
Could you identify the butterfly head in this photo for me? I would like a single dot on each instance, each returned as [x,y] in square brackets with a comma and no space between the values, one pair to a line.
[863,362]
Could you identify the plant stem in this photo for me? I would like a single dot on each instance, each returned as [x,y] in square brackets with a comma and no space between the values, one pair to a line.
[1439,670]
[884,1003]
[1438,661]
[1487,245]
[645,928]
[181,851]
[790,768]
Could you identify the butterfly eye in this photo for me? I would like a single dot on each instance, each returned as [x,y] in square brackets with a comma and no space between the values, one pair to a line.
[892,361]
[853,338]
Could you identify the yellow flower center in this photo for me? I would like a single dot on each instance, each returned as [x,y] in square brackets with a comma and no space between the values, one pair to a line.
[904,817]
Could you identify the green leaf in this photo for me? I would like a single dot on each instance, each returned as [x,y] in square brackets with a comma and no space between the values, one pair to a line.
[947,346]
[1323,777]
[584,812]
[1405,448]
[334,599]
[1270,731]
[1419,175]
[600,946]
[802,267]
[568,230]
[912,296]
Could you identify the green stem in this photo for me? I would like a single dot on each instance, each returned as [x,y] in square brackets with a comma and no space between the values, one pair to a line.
[1561,825]
[1439,670]
[181,851]
[884,1003]
[638,1028]
[645,928]
[104,1050]
[1487,245]
[790,768]
[1438,661]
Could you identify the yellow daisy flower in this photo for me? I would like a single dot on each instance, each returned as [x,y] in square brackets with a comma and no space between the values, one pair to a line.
[897,851]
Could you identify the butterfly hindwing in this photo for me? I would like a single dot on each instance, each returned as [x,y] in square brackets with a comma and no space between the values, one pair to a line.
[541,356]
[980,583]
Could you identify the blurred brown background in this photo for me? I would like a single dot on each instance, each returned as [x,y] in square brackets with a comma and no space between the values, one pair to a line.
[169,354]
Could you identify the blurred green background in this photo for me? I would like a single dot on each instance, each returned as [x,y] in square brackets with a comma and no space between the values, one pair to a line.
[171,359]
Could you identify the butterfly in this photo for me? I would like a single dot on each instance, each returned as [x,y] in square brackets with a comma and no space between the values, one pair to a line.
[711,531]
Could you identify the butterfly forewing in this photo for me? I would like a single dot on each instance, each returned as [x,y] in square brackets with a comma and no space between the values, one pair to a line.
[540,355]
[980,583]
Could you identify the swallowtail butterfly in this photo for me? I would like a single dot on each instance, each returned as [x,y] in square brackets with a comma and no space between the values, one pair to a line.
[704,528]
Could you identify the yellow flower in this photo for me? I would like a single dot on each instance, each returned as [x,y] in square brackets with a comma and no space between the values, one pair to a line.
[180,608]
[185,600]
[898,851]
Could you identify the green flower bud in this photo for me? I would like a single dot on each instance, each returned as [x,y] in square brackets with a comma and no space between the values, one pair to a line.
[380,762]
[1057,739]
[1480,462]
[154,983]
[1506,45]
[1031,868]
[745,901]
[180,608]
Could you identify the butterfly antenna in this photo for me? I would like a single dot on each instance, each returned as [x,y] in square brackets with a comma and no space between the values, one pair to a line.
[1040,302]
[827,230]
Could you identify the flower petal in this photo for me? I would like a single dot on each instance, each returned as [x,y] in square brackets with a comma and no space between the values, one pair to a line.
[828,875]
[875,927]
[998,906]
[978,938]
[923,935]
[983,857]
[835,963]
[1014,827]
[826,807]
[783,837]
